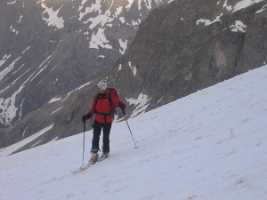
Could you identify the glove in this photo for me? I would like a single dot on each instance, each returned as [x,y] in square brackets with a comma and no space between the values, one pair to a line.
[123,109]
[87,116]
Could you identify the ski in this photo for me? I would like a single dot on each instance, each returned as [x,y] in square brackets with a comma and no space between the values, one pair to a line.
[81,169]
[102,158]
[88,165]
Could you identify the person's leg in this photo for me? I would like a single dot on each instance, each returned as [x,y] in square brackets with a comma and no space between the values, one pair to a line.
[106,134]
[96,137]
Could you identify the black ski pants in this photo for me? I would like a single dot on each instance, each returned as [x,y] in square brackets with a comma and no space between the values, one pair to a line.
[98,127]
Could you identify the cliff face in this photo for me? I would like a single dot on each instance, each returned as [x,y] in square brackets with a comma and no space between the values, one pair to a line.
[48,48]
[190,45]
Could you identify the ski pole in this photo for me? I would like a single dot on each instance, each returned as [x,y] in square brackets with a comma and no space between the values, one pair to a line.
[84,128]
[134,141]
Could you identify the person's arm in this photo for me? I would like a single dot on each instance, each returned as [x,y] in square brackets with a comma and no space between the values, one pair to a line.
[122,107]
[117,102]
[91,111]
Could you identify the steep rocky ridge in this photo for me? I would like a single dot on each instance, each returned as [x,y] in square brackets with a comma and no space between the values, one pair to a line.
[50,47]
[190,45]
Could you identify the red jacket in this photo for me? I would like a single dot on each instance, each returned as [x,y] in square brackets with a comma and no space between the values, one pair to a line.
[104,105]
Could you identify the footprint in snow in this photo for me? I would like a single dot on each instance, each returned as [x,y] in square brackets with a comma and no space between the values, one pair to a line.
[191,197]
[198,138]
[245,120]
[70,196]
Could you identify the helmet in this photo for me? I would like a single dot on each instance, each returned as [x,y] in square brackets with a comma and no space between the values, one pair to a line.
[102,85]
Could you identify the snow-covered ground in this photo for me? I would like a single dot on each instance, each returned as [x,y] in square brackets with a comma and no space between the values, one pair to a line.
[211,145]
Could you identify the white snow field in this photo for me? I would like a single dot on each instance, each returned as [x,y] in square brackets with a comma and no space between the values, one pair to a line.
[211,145]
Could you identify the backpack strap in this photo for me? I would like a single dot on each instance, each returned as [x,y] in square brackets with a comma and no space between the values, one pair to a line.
[110,90]
[109,93]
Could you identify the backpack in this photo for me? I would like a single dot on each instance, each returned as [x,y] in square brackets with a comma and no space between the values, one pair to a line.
[104,104]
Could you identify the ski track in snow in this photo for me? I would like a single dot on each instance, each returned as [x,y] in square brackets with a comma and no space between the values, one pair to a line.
[209,145]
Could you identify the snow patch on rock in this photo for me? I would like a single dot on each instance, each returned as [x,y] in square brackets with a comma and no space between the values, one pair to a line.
[20,19]
[130,3]
[50,16]
[122,20]
[42,67]
[140,103]
[4,59]
[238,26]
[54,99]
[208,22]
[96,7]
[11,2]
[123,45]
[133,68]
[226,6]
[8,109]
[57,110]
[26,50]
[8,69]
[244,4]
[101,56]
[13,29]
[99,39]
[76,89]
[262,9]
[136,22]
[120,67]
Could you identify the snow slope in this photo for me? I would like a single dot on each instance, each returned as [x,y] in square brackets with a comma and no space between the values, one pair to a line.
[209,145]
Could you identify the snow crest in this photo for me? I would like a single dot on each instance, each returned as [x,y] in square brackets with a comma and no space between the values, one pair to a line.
[244,4]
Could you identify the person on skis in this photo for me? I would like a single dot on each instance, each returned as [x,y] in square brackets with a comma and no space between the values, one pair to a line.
[103,110]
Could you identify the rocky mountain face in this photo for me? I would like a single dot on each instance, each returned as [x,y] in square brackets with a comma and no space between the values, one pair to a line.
[189,45]
[181,47]
[50,47]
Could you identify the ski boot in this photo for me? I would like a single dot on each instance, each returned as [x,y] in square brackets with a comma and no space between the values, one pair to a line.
[93,159]
[103,156]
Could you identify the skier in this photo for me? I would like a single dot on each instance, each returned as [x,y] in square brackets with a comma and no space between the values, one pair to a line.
[103,110]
